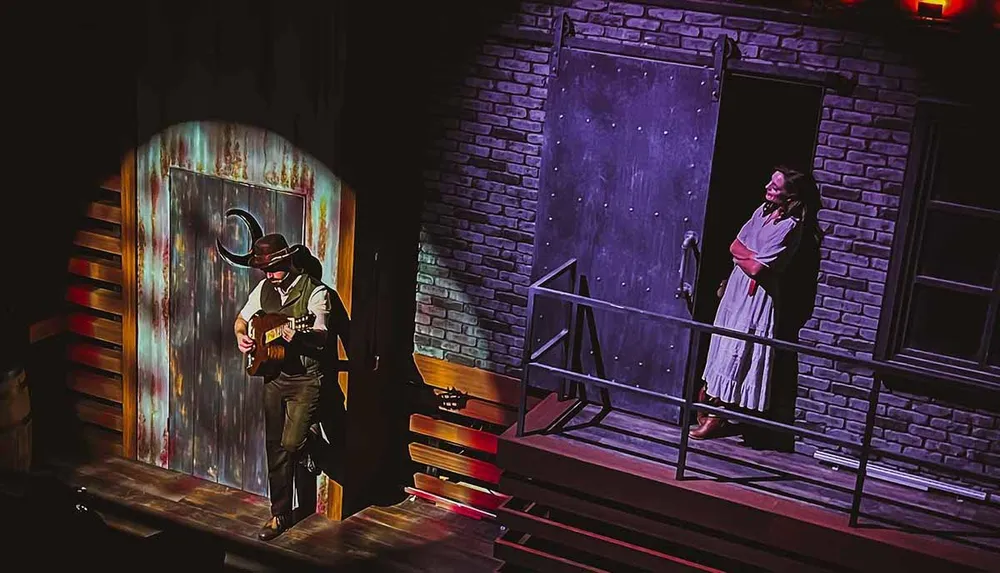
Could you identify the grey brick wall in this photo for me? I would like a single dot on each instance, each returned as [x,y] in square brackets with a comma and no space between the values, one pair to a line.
[483,176]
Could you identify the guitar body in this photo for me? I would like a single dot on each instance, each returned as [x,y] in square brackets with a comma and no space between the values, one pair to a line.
[268,345]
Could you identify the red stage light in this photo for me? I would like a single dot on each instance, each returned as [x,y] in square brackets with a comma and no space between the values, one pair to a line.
[938,8]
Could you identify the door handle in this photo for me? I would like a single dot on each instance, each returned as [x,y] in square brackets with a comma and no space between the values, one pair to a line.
[684,288]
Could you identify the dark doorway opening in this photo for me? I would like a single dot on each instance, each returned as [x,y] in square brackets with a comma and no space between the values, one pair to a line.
[762,123]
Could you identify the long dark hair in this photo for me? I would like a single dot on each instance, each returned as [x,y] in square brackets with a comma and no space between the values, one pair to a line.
[803,199]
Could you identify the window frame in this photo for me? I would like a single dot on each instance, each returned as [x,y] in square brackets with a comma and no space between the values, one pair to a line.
[915,204]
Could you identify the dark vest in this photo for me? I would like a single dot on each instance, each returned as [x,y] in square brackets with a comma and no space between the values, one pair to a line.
[298,361]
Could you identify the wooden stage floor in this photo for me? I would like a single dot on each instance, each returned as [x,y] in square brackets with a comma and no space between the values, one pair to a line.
[411,536]
[578,467]
[792,476]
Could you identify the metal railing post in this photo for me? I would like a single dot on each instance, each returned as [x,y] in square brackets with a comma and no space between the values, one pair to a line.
[522,406]
[569,347]
[866,448]
[688,392]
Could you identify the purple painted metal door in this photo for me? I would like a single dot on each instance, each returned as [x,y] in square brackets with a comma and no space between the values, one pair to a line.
[627,161]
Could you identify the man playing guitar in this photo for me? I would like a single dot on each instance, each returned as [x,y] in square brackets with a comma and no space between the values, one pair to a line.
[292,396]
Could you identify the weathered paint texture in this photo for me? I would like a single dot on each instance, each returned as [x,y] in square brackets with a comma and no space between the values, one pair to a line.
[231,152]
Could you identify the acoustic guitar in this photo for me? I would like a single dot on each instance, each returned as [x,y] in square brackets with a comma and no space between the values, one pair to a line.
[268,346]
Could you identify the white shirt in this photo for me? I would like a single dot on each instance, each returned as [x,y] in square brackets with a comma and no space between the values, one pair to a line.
[319,302]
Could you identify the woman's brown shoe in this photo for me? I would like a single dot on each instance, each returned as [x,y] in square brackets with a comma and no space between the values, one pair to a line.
[712,427]
[703,398]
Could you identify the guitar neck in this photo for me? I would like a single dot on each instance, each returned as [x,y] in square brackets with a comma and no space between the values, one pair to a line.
[275,333]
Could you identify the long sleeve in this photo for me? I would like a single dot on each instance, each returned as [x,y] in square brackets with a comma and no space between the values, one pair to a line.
[320,305]
[253,302]
[776,243]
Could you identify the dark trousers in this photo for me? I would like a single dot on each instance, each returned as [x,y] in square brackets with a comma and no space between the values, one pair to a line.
[290,403]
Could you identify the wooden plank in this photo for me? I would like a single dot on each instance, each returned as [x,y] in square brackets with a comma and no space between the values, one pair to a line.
[616,550]
[103,211]
[463,465]
[207,320]
[99,240]
[128,527]
[791,475]
[473,381]
[95,356]
[261,203]
[129,304]
[345,245]
[459,492]
[449,504]
[98,413]
[46,328]
[454,433]
[518,553]
[235,287]
[97,269]
[673,533]
[486,412]
[183,301]
[101,442]
[94,384]
[410,536]
[95,297]
[94,327]
[112,183]
[725,507]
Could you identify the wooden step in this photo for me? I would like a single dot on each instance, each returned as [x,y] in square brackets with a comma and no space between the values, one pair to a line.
[695,538]
[95,384]
[99,240]
[95,356]
[522,516]
[97,269]
[104,211]
[96,298]
[95,327]
[453,433]
[514,548]
[128,527]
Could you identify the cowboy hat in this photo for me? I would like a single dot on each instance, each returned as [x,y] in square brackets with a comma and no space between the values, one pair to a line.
[270,250]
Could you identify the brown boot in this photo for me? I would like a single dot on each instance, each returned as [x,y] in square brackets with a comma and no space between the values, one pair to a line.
[712,427]
[273,528]
[703,398]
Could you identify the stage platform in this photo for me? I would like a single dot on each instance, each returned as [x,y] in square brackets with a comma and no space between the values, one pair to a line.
[597,492]
[140,503]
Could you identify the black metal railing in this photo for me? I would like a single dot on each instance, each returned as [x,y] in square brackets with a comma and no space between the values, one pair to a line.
[687,402]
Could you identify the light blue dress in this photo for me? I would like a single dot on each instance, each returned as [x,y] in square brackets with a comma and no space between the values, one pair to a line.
[739,372]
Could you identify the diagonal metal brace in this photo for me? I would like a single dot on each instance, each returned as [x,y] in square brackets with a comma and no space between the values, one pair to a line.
[564,29]
[723,48]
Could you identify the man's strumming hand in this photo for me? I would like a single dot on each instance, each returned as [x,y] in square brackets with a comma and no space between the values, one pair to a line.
[244,342]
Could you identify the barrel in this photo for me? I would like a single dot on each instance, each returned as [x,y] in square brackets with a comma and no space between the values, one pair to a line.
[15,421]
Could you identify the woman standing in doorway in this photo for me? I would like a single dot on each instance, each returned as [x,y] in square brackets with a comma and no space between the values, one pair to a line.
[737,373]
